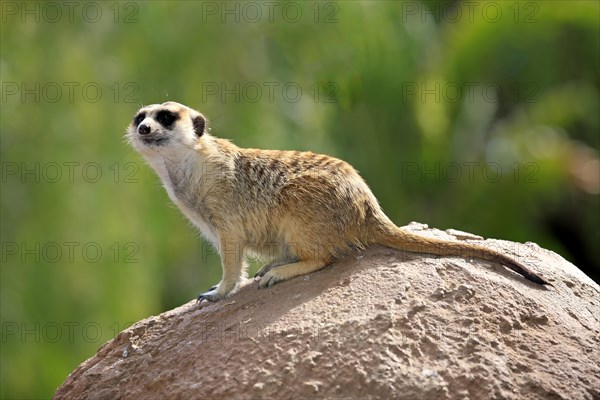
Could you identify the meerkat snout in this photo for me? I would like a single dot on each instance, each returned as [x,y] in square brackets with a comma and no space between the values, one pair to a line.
[143,129]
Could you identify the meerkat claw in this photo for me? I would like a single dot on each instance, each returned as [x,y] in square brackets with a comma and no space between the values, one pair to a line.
[265,282]
[211,296]
[268,280]
[266,268]
[260,273]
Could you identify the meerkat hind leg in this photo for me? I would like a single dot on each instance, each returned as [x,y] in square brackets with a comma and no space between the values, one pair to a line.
[287,271]
[275,263]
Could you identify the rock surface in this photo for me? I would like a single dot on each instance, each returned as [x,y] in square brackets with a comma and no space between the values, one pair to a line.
[380,324]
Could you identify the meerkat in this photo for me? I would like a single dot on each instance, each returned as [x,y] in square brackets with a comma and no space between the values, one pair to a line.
[299,210]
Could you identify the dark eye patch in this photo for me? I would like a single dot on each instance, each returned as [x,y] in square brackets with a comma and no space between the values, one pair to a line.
[139,118]
[166,118]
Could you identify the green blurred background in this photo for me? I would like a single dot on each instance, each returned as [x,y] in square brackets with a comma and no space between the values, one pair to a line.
[476,116]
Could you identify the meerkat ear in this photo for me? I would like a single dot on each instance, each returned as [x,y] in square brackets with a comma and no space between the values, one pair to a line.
[199,125]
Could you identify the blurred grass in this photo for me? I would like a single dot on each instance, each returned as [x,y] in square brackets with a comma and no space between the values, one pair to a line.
[358,65]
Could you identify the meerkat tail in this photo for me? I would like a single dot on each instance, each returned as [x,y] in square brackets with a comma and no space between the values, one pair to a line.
[406,241]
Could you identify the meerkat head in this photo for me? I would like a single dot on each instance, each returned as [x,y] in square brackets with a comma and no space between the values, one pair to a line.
[166,126]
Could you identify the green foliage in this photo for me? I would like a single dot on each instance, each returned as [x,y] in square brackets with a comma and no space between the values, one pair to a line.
[481,122]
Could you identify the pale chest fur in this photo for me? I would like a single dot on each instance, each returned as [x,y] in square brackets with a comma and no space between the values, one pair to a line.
[167,176]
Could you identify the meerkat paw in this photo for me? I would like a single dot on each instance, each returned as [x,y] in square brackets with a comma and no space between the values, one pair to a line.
[287,271]
[212,296]
[263,270]
[275,263]
[208,295]
[219,291]
[269,279]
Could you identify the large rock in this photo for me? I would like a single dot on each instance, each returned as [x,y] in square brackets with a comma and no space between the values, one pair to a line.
[382,324]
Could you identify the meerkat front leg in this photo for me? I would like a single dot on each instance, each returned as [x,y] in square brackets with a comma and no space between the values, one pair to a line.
[234,270]
[287,271]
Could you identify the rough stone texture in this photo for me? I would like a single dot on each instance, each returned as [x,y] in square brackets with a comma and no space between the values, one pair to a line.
[381,324]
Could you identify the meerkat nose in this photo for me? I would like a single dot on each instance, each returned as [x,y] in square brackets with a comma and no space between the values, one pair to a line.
[143,129]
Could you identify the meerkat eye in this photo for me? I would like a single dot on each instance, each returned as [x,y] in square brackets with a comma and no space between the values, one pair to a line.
[166,118]
[139,118]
